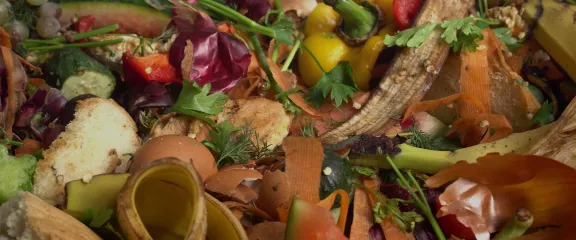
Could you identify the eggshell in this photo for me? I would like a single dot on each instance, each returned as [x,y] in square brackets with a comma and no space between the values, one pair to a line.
[275,192]
[182,147]
[226,182]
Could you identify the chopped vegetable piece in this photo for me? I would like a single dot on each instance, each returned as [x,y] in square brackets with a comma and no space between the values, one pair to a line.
[309,221]
[76,73]
[155,67]
[15,174]
[405,11]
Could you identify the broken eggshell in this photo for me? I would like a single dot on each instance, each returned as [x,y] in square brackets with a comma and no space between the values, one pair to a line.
[234,182]
[163,199]
[180,147]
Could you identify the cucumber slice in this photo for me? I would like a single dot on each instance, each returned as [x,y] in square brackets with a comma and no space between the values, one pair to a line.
[76,73]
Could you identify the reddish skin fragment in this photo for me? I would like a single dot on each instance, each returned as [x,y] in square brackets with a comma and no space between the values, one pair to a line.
[451,226]
[404,12]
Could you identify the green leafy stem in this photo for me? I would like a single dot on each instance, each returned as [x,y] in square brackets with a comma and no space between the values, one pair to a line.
[59,42]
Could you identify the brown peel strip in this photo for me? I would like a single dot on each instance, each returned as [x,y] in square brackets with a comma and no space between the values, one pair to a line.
[29,146]
[304,158]
[5,38]
[475,77]
[267,231]
[466,128]
[249,208]
[328,202]
[10,112]
[363,216]
[275,192]
[433,104]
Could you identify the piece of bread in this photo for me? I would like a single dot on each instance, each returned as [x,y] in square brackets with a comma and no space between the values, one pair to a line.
[99,140]
[26,217]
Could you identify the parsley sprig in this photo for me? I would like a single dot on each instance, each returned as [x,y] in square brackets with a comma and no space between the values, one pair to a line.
[226,146]
[504,34]
[460,34]
[196,101]
[338,83]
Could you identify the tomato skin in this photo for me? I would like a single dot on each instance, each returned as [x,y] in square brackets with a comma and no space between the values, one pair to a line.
[451,226]
[84,23]
[155,67]
[404,12]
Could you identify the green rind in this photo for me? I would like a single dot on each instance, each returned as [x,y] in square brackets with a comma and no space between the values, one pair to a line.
[15,174]
[291,224]
[132,18]
[99,194]
[72,61]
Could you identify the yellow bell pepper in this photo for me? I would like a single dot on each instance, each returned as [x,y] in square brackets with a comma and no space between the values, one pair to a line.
[330,49]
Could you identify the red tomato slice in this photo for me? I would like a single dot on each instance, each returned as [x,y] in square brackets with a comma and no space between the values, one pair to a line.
[405,11]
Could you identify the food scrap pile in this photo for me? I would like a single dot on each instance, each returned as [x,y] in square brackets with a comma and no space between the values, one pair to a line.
[334,119]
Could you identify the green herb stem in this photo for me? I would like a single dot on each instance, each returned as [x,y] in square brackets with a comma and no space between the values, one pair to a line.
[516,226]
[419,199]
[264,64]
[357,21]
[237,17]
[291,55]
[75,37]
[11,142]
[76,45]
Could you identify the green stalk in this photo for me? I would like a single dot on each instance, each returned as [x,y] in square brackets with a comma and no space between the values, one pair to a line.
[264,64]
[357,21]
[516,226]
[419,201]
[432,161]
[291,55]
[77,45]
[236,17]
[11,142]
[75,37]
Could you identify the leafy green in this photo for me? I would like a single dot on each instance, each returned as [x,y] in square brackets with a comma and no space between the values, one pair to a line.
[338,83]
[386,207]
[16,174]
[417,197]
[366,171]
[197,102]
[308,130]
[25,13]
[283,30]
[423,140]
[545,114]
[504,34]
[460,34]
[101,223]
[227,146]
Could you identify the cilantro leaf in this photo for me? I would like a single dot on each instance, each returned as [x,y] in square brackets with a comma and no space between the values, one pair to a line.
[283,29]
[545,114]
[197,102]
[460,34]
[227,146]
[338,83]
[505,36]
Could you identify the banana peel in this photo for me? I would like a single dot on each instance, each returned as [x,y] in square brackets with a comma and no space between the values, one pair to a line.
[164,199]
[222,224]
[554,28]
[431,161]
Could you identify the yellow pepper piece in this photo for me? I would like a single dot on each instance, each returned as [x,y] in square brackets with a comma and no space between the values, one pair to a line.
[328,49]
[364,58]
[322,19]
